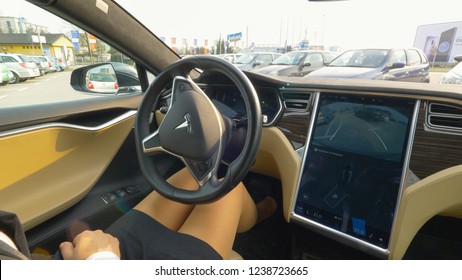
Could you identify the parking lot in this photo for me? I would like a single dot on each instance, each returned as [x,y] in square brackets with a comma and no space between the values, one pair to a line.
[42,89]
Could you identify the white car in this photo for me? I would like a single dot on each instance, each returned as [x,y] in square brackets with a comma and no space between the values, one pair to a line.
[22,66]
[102,82]
[231,57]
[454,76]
[46,63]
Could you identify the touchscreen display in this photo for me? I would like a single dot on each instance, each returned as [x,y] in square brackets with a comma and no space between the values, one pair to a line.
[354,162]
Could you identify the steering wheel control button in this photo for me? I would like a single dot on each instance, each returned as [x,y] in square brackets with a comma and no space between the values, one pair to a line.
[200,168]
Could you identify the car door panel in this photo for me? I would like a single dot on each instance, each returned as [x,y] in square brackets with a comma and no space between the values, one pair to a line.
[94,211]
[52,166]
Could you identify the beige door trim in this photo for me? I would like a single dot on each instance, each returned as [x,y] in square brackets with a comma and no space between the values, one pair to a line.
[48,168]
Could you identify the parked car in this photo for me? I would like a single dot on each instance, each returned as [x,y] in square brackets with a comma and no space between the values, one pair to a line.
[102,82]
[58,63]
[5,74]
[453,76]
[231,57]
[298,63]
[410,65]
[62,63]
[39,65]
[47,64]
[22,66]
[255,60]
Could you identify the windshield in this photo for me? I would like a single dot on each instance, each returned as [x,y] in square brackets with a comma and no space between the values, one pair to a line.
[102,77]
[426,38]
[291,58]
[333,26]
[360,58]
[246,59]
[25,58]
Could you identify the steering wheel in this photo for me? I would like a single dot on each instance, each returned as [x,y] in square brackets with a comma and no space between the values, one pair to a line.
[194,131]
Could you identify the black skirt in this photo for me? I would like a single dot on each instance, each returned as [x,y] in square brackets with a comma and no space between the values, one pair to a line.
[143,238]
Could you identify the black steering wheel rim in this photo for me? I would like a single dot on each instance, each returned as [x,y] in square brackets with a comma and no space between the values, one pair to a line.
[211,188]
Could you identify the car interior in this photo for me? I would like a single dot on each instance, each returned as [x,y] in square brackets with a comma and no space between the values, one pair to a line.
[360,169]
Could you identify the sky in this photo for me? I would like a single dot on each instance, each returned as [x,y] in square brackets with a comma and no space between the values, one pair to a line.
[349,24]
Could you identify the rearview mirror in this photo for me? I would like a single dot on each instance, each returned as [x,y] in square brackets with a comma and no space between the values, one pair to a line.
[458,58]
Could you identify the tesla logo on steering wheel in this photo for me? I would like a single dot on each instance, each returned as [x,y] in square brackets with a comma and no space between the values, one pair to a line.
[187,123]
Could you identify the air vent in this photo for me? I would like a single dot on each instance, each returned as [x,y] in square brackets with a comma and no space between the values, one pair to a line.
[296,95]
[296,101]
[436,108]
[444,118]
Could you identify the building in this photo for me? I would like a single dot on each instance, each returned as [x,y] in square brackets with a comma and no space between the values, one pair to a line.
[19,25]
[58,45]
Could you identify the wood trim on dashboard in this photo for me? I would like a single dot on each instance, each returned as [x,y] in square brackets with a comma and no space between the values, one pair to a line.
[433,151]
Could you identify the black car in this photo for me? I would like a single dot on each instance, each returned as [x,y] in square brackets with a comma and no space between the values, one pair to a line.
[298,63]
[409,65]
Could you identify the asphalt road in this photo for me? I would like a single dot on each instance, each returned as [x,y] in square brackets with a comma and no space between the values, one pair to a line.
[435,77]
[44,89]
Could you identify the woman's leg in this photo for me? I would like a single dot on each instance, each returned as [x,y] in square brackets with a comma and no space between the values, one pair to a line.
[216,223]
[167,212]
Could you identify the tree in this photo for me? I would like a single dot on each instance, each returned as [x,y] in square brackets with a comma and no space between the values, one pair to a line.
[220,47]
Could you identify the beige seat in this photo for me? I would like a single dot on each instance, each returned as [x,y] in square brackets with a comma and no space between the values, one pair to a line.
[438,194]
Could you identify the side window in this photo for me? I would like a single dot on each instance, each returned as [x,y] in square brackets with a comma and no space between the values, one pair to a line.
[423,57]
[51,58]
[9,59]
[397,56]
[414,57]
[314,59]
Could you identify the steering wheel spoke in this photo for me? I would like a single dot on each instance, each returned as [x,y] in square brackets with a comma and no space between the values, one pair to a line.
[151,144]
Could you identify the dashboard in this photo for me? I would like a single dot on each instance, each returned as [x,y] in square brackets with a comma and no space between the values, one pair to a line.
[229,101]
[358,148]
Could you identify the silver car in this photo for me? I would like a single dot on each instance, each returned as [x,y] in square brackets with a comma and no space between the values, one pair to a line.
[22,66]
[47,64]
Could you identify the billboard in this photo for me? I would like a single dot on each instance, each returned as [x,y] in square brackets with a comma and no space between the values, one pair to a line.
[234,37]
[440,42]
